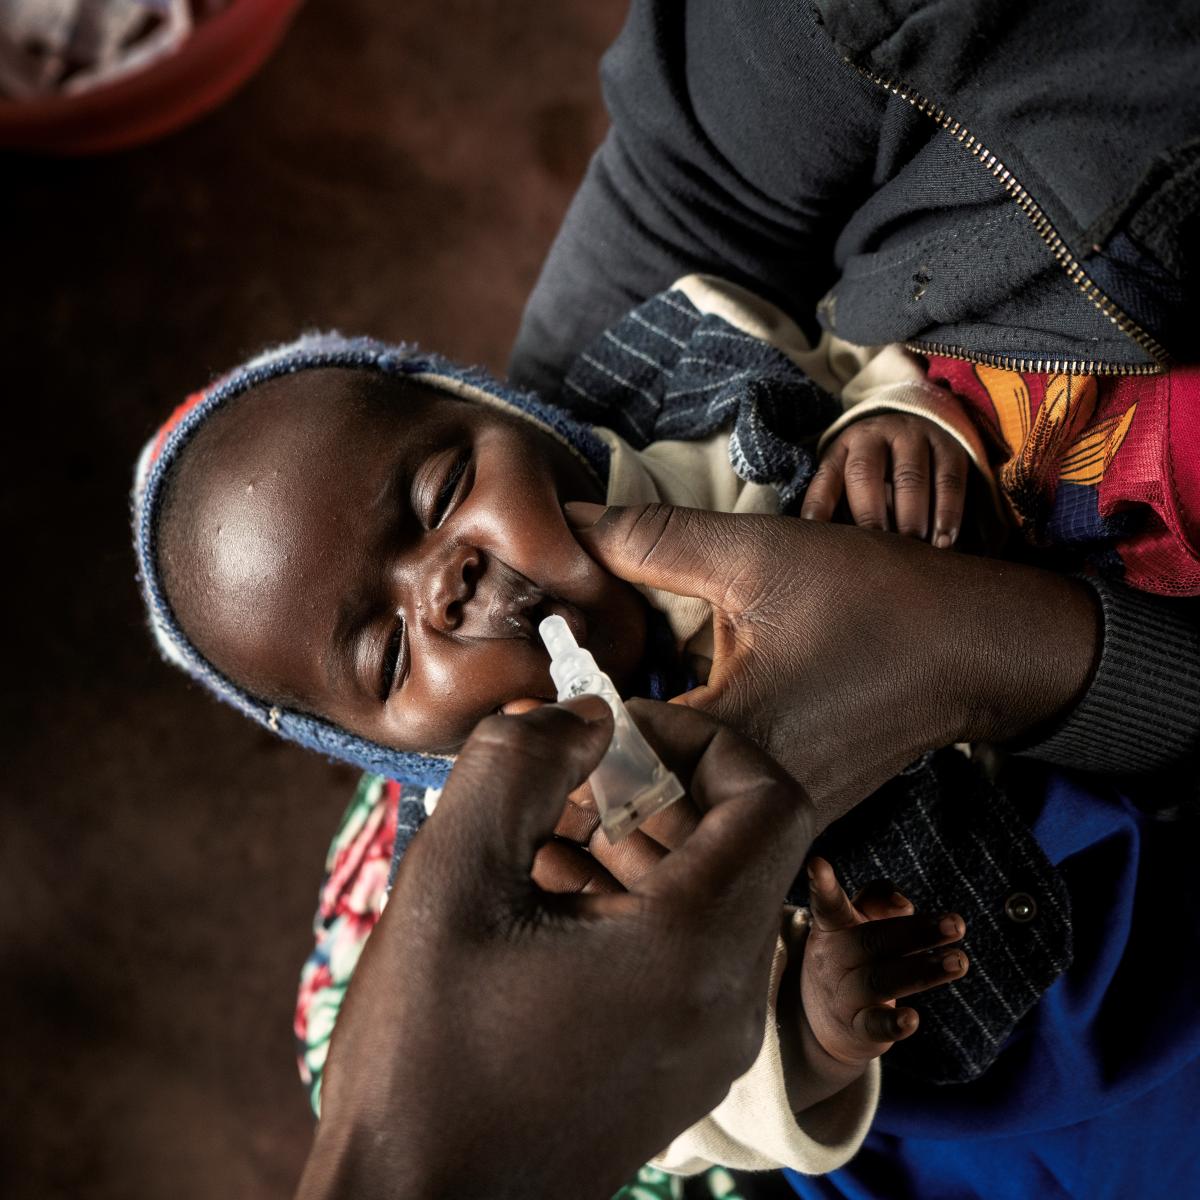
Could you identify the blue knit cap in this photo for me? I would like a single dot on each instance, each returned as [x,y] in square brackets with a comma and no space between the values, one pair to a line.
[316,350]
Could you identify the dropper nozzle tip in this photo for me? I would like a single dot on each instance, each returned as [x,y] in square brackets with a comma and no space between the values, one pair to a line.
[556,636]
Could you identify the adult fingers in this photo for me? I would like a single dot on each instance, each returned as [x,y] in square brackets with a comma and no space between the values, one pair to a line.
[823,493]
[577,822]
[950,470]
[755,827]
[671,827]
[910,485]
[630,858]
[685,551]
[866,478]
[505,794]
[563,868]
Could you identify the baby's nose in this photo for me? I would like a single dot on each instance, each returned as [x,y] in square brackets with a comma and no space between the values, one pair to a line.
[451,585]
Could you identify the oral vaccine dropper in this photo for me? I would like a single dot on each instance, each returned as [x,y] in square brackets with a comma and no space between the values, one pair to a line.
[630,784]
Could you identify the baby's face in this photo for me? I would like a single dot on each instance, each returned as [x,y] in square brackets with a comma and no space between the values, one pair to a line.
[384,562]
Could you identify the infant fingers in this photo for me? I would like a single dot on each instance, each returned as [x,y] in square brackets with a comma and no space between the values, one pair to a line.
[950,468]
[895,937]
[830,907]
[880,1023]
[825,490]
[879,900]
[880,981]
[866,481]
[910,484]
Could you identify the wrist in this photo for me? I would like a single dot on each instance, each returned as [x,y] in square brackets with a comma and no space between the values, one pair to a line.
[811,1074]
[1021,654]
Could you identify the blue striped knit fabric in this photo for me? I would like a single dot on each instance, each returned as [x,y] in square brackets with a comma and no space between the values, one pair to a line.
[668,372]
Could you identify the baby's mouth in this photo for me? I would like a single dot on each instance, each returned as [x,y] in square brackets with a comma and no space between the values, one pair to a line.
[507,605]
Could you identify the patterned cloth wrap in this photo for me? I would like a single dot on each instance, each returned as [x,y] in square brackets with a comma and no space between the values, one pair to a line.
[1102,468]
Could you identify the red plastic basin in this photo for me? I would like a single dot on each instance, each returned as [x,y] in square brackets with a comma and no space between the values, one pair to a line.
[219,56]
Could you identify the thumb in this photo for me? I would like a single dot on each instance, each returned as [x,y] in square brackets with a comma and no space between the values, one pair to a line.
[505,795]
[687,551]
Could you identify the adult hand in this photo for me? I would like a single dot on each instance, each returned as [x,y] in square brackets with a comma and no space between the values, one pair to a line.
[498,1040]
[847,653]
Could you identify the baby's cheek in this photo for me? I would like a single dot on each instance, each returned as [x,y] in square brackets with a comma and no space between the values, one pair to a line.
[619,643]
[440,711]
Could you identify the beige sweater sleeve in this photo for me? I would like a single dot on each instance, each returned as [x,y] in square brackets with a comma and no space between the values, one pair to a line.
[754,1128]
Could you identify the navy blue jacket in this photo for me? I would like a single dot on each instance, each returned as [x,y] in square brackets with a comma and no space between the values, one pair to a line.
[1013,181]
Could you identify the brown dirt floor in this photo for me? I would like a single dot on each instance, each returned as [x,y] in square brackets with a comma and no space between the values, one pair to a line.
[396,169]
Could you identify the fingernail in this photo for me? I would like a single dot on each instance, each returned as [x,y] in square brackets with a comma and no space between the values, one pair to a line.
[896,900]
[943,541]
[581,514]
[950,926]
[808,514]
[952,963]
[906,1020]
[591,709]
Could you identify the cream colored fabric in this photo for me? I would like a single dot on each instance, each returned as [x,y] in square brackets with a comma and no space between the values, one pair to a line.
[754,1128]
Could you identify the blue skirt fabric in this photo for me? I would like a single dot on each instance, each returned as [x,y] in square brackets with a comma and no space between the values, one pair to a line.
[1097,1092]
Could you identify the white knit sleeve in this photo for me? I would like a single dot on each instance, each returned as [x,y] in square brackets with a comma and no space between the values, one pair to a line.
[754,1128]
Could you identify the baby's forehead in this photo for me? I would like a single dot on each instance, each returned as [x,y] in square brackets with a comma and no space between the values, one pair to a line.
[313,413]
[332,399]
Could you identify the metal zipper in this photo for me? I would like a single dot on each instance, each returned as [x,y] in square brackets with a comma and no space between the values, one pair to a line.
[1035,366]
[1053,240]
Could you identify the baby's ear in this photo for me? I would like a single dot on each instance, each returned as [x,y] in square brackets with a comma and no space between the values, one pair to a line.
[514,708]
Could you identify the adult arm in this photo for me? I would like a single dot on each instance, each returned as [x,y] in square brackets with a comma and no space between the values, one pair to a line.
[1140,714]
[828,632]
[710,165]
[501,1041]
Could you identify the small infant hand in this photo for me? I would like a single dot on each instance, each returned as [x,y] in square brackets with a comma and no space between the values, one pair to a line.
[912,454]
[860,958]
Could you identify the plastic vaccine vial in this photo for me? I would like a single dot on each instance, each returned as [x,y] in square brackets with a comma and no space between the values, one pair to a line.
[630,783]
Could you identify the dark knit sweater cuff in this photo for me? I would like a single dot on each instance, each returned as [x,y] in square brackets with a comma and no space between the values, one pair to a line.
[1142,710]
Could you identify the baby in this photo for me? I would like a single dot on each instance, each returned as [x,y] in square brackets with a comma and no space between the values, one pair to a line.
[354,543]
